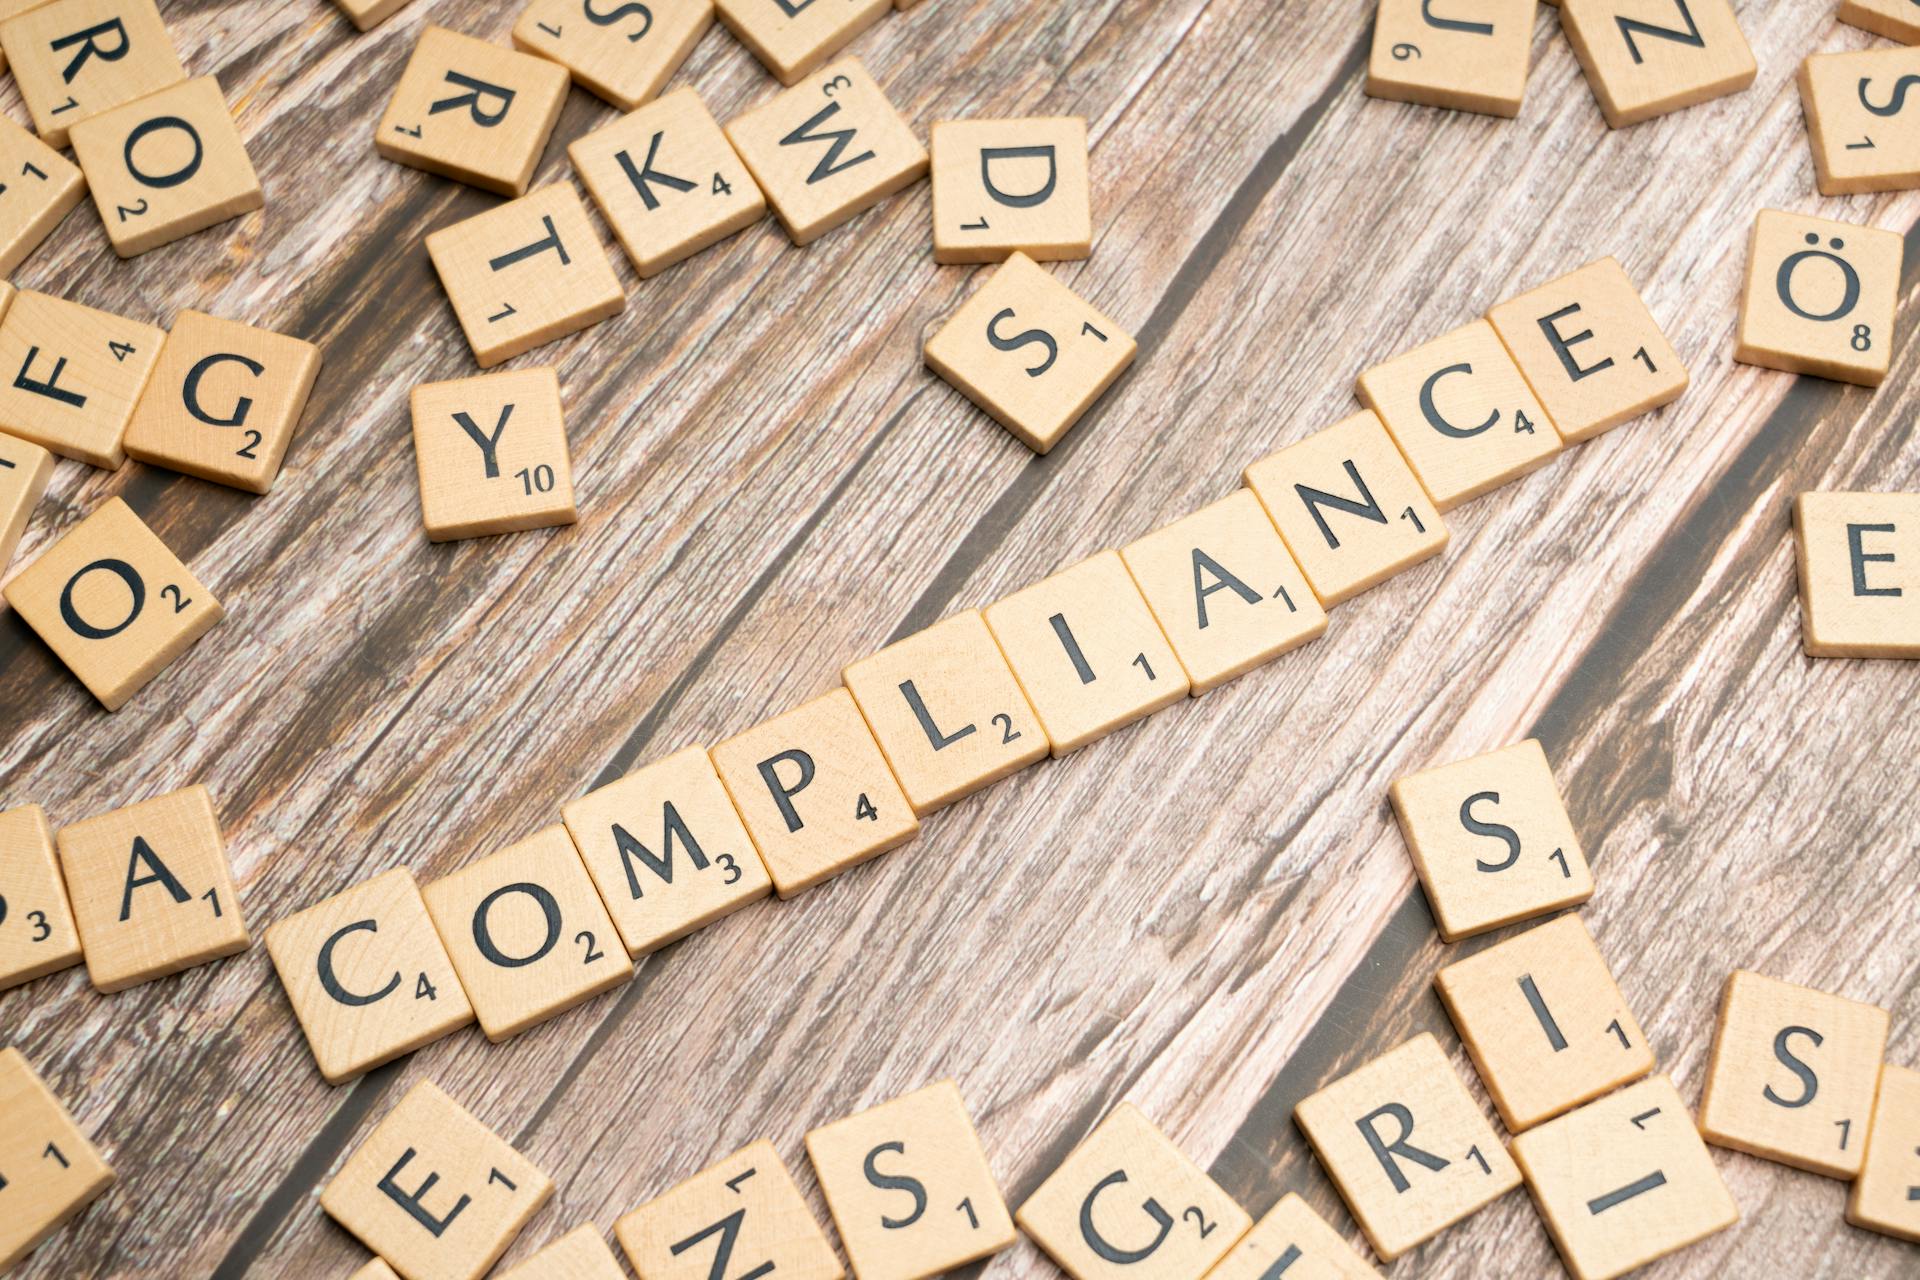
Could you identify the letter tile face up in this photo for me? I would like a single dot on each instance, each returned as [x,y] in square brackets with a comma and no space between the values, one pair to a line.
[827,149]
[1407,1146]
[51,1171]
[815,792]
[909,1186]
[1491,840]
[1462,413]
[527,933]
[581,1254]
[113,603]
[666,848]
[1820,297]
[472,111]
[525,274]
[1859,567]
[223,401]
[42,188]
[433,1191]
[622,50]
[1590,350]
[1644,58]
[1793,1075]
[741,1217]
[947,711]
[24,471]
[1886,1195]
[1861,118]
[1128,1203]
[793,37]
[74,59]
[70,376]
[492,455]
[1030,352]
[1350,510]
[37,936]
[667,181]
[1002,187]
[1291,1242]
[367,976]
[1894,19]
[1624,1181]
[151,890]
[1472,60]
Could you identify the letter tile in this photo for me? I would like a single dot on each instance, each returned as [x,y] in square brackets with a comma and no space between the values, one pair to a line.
[365,16]
[1473,60]
[472,111]
[1293,1243]
[1820,297]
[741,1217]
[433,1191]
[1793,1075]
[1859,120]
[113,603]
[151,891]
[73,59]
[1859,568]
[70,376]
[37,935]
[814,792]
[51,1171]
[24,471]
[1644,58]
[909,1186]
[1002,187]
[1894,19]
[1886,1195]
[1128,1202]
[1351,511]
[947,711]
[620,49]
[223,401]
[827,149]
[377,1269]
[1491,840]
[367,976]
[794,37]
[1030,352]
[527,933]
[525,274]
[44,191]
[581,1254]
[1407,1146]
[1590,350]
[492,455]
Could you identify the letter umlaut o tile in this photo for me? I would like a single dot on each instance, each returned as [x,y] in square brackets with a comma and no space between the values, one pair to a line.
[1471,59]
[492,455]
[73,59]
[37,935]
[745,1209]
[1293,1240]
[1820,298]
[52,1171]
[472,111]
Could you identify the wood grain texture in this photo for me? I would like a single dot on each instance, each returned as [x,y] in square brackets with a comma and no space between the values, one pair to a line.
[1210,913]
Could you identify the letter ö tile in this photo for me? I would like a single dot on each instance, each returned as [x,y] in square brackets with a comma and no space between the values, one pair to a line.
[1820,298]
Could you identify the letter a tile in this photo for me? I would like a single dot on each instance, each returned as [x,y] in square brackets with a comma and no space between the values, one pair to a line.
[1002,187]
[472,111]
[51,1171]
[744,1209]
[1472,60]
[37,934]
[1861,113]
[1859,565]
[44,190]
[792,37]
[1644,58]
[24,472]
[622,51]
[1886,1195]
[70,376]
[1293,1243]
[492,455]
[73,59]
[1820,298]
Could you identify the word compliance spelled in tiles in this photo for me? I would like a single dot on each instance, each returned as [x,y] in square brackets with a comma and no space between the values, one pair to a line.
[1472,60]
[1002,187]
[741,1217]
[48,1170]
[73,59]
[1293,1243]
[1894,19]
[1644,58]
[24,471]
[1820,297]
[491,453]
[1858,556]
[39,187]
[472,111]
[77,374]
[37,934]
[623,52]
[1886,1195]
[581,1254]
[794,37]
[1860,121]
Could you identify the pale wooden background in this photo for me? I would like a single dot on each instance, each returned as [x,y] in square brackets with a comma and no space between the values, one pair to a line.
[1211,913]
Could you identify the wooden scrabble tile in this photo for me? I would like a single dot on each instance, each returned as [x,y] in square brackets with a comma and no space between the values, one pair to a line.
[1644,58]
[1030,351]
[1087,652]
[667,181]
[368,14]
[70,376]
[527,933]
[909,1186]
[165,166]
[367,976]
[1002,187]
[37,935]
[581,1254]
[1350,510]
[1462,413]
[1624,1181]
[827,149]
[667,850]
[1407,1146]
[1820,297]
[946,711]
[794,37]
[223,401]
[1859,567]
[1894,19]
[492,454]
[525,274]
[1886,1195]
[377,1269]
[1225,590]
[1293,1243]
[73,59]
[435,1192]
[1127,1202]
[472,111]
[744,1209]
[150,888]
[814,792]
[38,188]
[1862,135]
[1491,840]
[1590,350]
[1793,1075]
[113,603]
[12,9]
[623,52]
[24,471]
[1544,1022]
[48,1170]
[1471,61]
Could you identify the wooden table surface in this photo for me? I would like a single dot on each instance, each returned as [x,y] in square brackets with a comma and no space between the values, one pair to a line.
[1210,913]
